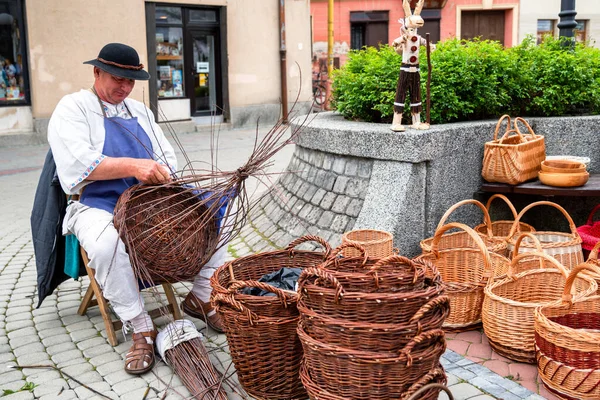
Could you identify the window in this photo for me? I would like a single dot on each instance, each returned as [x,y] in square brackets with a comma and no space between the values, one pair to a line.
[545,27]
[169,52]
[368,28]
[14,85]
[581,31]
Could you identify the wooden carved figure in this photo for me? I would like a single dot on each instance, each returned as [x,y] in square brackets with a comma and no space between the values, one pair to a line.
[408,45]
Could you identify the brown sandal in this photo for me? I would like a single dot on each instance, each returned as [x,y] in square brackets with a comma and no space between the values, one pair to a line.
[140,353]
[196,308]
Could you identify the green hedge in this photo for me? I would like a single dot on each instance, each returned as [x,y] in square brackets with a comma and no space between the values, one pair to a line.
[475,79]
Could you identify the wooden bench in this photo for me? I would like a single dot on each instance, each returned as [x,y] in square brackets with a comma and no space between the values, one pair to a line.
[590,189]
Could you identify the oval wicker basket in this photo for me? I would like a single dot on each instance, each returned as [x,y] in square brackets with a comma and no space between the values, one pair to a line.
[463,240]
[266,368]
[567,336]
[501,228]
[465,272]
[160,228]
[381,375]
[508,308]
[378,244]
[565,247]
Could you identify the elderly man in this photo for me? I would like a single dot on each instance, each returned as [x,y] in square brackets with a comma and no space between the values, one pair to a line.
[104,142]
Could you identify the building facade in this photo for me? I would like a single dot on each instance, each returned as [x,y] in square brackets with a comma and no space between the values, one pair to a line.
[209,60]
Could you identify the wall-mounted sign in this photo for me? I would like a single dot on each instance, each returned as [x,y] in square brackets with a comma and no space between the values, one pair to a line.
[201,67]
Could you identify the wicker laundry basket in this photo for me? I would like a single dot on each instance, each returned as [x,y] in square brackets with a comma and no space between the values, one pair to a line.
[462,239]
[465,271]
[508,308]
[565,247]
[267,368]
[567,337]
[378,244]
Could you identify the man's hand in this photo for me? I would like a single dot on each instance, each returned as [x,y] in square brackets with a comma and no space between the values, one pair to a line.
[151,172]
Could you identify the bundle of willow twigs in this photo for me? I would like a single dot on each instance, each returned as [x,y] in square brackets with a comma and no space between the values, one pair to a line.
[191,363]
[172,230]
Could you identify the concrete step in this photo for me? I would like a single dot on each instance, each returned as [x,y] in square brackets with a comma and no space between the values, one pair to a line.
[21,139]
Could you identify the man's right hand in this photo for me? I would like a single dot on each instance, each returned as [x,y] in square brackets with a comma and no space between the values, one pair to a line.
[151,172]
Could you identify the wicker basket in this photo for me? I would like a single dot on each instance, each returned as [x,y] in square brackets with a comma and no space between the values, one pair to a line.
[378,244]
[465,272]
[565,247]
[165,250]
[567,336]
[463,240]
[508,308]
[501,228]
[353,374]
[593,259]
[267,368]
[365,274]
[513,159]
[323,294]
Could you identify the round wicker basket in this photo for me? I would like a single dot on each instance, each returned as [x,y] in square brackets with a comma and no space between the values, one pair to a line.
[501,228]
[378,244]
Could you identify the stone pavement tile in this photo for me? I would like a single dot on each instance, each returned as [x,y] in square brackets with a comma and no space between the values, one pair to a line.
[110,367]
[83,334]
[50,389]
[22,332]
[78,369]
[50,332]
[91,342]
[21,341]
[85,393]
[31,348]
[65,395]
[485,397]
[81,325]
[65,356]
[10,375]
[98,350]
[5,357]
[42,376]
[470,336]
[523,372]
[125,387]
[13,326]
[17,317]
[458,346]
[499,367]
[479,350]
[530,385]
[24,395]
[58,343]
[39,357]
[464,391]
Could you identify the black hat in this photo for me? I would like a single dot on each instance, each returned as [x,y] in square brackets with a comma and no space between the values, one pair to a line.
[120,60]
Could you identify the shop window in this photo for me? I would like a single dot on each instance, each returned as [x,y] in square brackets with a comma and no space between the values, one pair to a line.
[169,52]
[581,31]
[545,27]
[368,28]
[13,74]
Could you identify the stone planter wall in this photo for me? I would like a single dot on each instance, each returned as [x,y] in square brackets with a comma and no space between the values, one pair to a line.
[348,175]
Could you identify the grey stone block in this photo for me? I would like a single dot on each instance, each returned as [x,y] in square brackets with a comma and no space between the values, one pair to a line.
[310,192]
[354,208]
[339,165]
[328,200]
[318,196]
[340,204]
[351,167]
[340,184]
[328,161]
[326,220]
[339,223]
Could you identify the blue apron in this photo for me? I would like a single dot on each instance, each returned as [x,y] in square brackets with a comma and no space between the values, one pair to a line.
[123,138]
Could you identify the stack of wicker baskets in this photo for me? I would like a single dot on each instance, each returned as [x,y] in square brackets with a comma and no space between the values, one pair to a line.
[370,328]
[261,330]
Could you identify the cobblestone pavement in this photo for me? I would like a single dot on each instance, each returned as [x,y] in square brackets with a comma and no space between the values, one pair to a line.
[76,346]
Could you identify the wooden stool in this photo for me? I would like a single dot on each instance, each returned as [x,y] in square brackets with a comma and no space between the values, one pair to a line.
[93,297]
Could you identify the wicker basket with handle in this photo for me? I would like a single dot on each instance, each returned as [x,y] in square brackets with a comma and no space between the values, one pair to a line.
[465,272]
[462,239]
[514,158]
[593,259]
[565,247]
[508,308]
[378,244]
[501,228]
[267,368]
[567,337]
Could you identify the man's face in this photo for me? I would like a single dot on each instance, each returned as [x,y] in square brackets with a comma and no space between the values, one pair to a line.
[111,88]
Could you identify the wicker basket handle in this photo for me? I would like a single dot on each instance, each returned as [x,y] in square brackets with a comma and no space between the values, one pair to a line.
[508,135]
[228,299]
[283,295]
[511,274]
[486,216]
[567,296]
[515,226]
[322,274]
[536,242]
[487,270]
[590,219]
[426,383]
[394,258]
[405,353]
[310,238]
[338,251]
[521,120]
[440,301]
[499,123]
[503,198]
[594,253]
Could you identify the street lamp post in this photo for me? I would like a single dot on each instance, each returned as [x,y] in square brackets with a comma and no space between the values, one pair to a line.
[567,21]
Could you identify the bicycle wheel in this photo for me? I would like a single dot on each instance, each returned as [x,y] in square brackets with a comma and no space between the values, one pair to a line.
[319,95]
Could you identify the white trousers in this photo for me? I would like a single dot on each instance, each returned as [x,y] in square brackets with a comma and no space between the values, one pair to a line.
[95,231]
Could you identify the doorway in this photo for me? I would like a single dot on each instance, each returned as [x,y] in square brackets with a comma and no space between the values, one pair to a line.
[203,86]
[484,24]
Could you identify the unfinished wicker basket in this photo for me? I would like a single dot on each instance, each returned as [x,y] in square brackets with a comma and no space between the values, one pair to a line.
[565,247]
[462,239]
[567,336]
[513,158]
[267,368]
[465,272]
[508,308]
[501,228]
[378,244]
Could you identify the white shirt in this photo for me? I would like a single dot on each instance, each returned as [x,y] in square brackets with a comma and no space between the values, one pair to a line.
[76,136]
